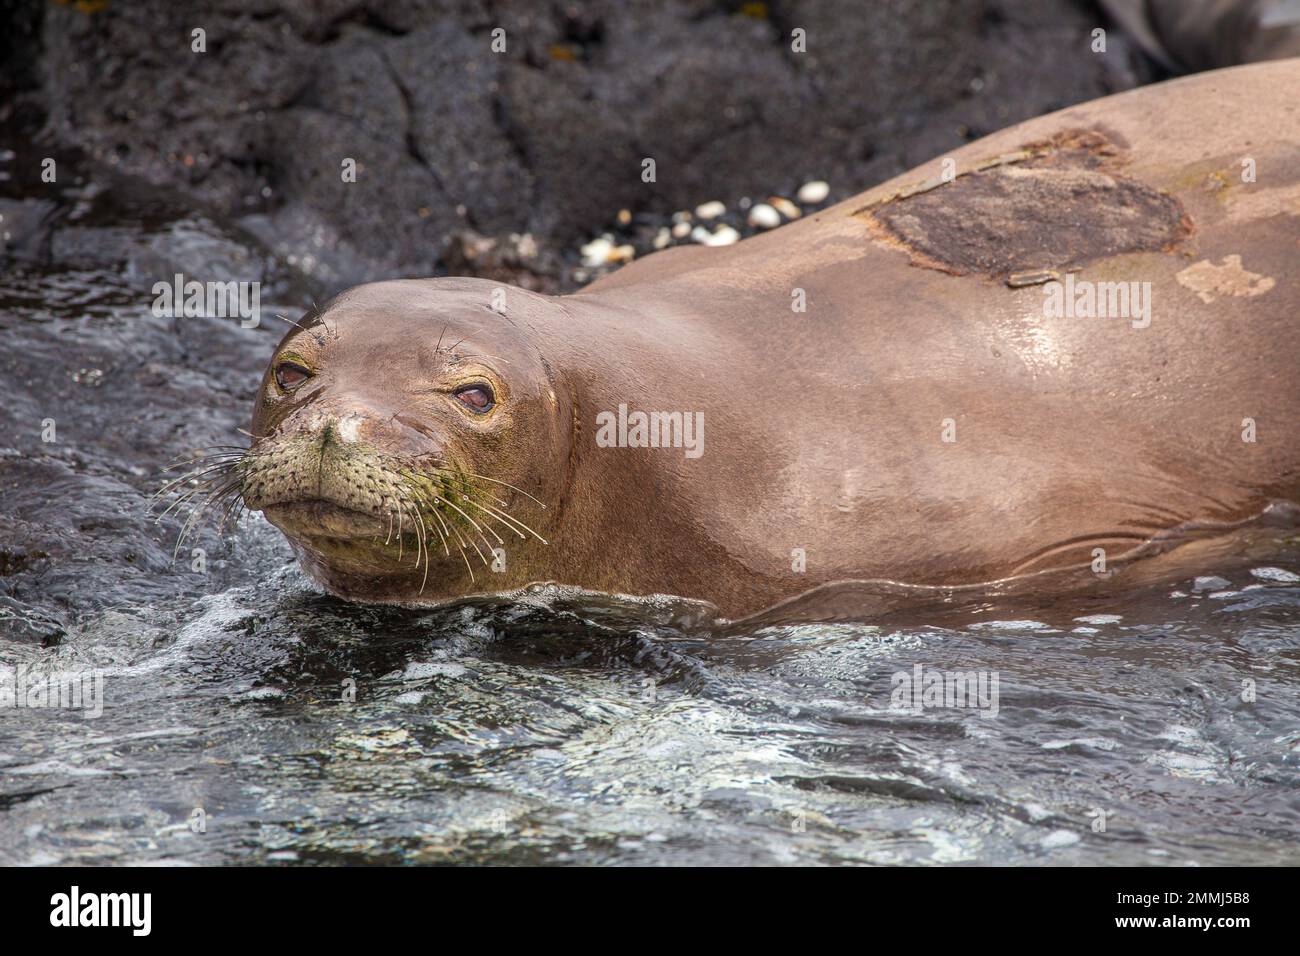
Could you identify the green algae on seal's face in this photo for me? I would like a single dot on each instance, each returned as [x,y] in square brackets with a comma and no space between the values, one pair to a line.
[406,451]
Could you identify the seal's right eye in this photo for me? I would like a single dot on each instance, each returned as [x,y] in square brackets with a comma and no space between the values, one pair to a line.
[477,398]
[289,375]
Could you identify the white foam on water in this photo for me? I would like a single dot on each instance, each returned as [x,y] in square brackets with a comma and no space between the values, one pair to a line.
[1097,743]
[1059,838]
[423,670]
[1100,619]
[1210,583]
[1279,575]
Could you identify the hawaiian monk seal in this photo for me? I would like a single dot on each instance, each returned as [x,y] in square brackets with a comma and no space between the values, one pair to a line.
[1077,335]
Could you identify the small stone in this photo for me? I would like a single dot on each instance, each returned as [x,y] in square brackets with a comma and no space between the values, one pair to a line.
[810,194]
[722,236]
[763,216]
[1210,583]
[596,253]
[624,217]
[662,238]
[525,245]
[623,253]
[710,210]
[681,216]
[785,207]
[681,230]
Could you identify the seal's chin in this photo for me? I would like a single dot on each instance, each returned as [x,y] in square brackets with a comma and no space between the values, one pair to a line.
[336,543]
[313,518]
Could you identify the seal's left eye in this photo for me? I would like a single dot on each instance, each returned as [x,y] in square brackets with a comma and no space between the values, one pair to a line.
[289,375]
[478,398]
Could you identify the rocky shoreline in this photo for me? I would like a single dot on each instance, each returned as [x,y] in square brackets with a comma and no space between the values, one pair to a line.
[505,163]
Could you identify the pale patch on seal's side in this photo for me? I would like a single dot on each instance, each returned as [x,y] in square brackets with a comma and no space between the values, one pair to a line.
[1209,281]
[1281,201]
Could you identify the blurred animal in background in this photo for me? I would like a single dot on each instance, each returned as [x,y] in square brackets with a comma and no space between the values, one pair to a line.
[1187,36]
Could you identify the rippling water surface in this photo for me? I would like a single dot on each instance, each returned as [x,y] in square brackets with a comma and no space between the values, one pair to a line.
[1158,727]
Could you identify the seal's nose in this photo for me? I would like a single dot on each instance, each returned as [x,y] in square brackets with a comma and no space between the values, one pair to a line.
[340,429]
[354,425]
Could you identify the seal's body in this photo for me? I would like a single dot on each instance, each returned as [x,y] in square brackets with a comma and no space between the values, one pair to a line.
[1054,344]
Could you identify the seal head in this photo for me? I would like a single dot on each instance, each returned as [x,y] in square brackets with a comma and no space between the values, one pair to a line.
[406,433]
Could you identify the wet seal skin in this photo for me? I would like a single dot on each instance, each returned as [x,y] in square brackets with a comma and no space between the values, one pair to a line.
[883,401]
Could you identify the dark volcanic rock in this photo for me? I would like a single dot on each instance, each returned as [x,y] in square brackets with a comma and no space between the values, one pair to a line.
[546,137]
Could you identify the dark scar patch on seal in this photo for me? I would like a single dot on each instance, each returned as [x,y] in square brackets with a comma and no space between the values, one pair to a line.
[1051,204]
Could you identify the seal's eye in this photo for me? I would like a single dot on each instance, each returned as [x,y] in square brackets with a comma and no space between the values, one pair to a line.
[289,375]
[477,398]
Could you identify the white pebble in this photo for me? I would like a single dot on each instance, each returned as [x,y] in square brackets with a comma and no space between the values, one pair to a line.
[1209,583]
[662,238]
[596,252]
[624,253]
[785,207]
[723,236]
[812,193]
[763,216]
[681,230]
[710,210]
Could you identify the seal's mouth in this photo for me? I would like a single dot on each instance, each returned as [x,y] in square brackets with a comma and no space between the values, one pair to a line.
[355,509]
[319,518]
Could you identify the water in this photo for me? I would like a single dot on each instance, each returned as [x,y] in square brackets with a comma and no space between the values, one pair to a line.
[288,727]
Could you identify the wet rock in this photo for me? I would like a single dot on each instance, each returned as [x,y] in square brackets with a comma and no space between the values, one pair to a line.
[515,259]
[25,228]
[548,137]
